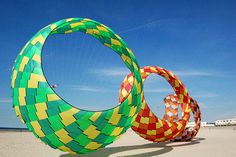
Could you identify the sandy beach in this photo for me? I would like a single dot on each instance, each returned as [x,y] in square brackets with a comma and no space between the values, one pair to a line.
[210,141]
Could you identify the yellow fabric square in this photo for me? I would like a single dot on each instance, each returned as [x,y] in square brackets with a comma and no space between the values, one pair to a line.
[67,116]
[116,131]
[171,74]
[179,126]
[17,110]
[66,149]
[132,110]
[144,120]
[37,77]
[34,79]
[22,101]
[63,136]
[131,80]
[13,78]
[160,139]
[135,65]
[107,45]
[133,119]
[39,38]
[68,31]
[89,31]
[68,120]
[91,132]
[185,91]
[138,87]
[125,58]
[93,145]
[41,106]
[102,29]
[166,76]
[143,105]
[37,58]
[186,118]
[73,25]
[115,42]
[95,116]
[150,114]
[181,98]
[130,98]
[141,70]
[32,84]
[124,92]
[168,132]
[85,19]
[115,116]
[176,83]
[22,92]
[130,52]
[95,31]
[69,19]
[151,132]
[52,97]
[53,26]
[153,69]
[136,124]
[37,128]
[24,61]
[42,115]
[159,124]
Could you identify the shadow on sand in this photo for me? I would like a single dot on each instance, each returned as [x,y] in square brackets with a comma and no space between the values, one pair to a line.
[163,148]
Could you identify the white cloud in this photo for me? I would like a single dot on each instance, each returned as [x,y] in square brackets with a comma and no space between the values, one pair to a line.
[90,89]
[148,25]
[202,105]
[118,71]
[205,95]
[122,71]
[160,90]
[5,100]
[193,73]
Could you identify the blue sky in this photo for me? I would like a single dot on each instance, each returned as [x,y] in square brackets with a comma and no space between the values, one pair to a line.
[195,40]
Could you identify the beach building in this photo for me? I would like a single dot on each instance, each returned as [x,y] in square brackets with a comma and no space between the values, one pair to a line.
[226,122]
[203,124]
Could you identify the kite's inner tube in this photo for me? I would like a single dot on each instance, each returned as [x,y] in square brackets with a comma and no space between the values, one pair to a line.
[171,114]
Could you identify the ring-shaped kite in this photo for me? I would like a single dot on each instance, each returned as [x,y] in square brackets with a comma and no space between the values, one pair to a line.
[53,120]
[147,124]
[171,114]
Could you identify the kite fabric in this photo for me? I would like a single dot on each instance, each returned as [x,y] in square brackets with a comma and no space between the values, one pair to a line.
[65,127]
[53,120]
[148,125]
[171,114]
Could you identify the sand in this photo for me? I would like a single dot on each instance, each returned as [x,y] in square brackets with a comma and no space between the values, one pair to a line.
[210,141]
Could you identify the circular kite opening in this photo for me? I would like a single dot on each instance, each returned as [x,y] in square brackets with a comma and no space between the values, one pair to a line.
[82,71]
[156,88]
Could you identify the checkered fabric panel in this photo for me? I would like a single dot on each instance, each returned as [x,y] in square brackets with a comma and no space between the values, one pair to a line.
[56,122]
[171,109]
[171,114]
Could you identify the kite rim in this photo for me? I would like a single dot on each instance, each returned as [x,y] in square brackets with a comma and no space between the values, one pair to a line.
[185,117]
[126,56]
